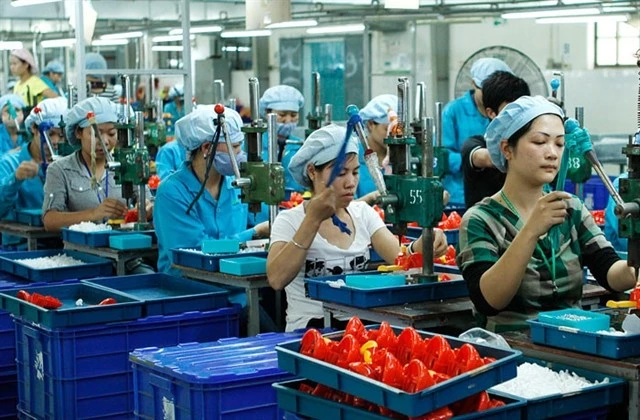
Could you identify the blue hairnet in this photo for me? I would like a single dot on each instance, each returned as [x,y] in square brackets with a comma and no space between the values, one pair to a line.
[485,67]
[77,116]
[198,127]
[320,147]
[15,100]
[281,98]
[53,66]
[50,110]
[512,118]
[177,90]
[94,61]
[378,108]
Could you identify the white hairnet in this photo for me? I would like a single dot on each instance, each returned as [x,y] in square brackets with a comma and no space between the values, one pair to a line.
[177,90]
[512,118]
[198,127]
[485,67]
[281,98]
[50,111]
[320,147]
[94,61]
[15,100]
[53,66]
[102,109]
[377,109]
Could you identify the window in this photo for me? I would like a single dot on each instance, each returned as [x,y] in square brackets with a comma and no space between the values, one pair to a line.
[616,44]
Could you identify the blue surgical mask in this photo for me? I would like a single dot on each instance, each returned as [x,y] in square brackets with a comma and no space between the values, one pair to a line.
[223,165]
[285,129]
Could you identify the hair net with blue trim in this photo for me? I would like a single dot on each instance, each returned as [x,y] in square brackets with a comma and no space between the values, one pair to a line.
[377,109]
[485,67]
[281,98]
[15,100]
[50,110]
[77,116]
[177,90]
[320,147]
[512,118]
[198,127]
[53,66]
[95,61]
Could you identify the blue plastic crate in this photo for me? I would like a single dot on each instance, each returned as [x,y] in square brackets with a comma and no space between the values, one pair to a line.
[596,195]
[604,345]
[448,269]
[319,289]
[207,262]
[444,393]
[7,343]
[84,372]
[163,294]
[576,403]
[311,406]
[243,266]
[130,241]
[8,393]
[576,318]
[92,267]
[31,217]
[98,239]
[69,314]
[229,379]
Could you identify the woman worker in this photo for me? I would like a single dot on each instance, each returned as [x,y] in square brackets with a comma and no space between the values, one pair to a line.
[511,259]
[304,240]
[10,138]
[30,86]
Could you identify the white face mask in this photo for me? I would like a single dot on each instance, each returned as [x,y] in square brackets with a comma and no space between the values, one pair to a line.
[223,164]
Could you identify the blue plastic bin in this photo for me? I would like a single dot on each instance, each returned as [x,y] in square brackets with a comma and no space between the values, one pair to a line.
[98,239]
[596,195]
[444,393]
[243,266]
[229,379]
[8,394]
[69,314]
[84,372]
[130,241]
[163,294]
[207,262]
[92,267]
[314,407]
[577,319]
[31,217]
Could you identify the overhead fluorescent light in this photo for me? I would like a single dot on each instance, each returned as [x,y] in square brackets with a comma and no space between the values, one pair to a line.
[57,43]
[338,29]
[238,49]
[167,48]
[20,3]
[123,35]
[551,13]
[293,24]
[106,42]
[170,38]
[197,30]
[402,4]
[583,19]
[245,34]
[10,45]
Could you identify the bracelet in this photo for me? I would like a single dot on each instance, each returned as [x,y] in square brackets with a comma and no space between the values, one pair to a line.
[298,245]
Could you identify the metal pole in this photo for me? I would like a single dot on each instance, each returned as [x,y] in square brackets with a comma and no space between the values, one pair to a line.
[272,128]
[142,195]
[438,124]
[427,172]
[81,74]
[186,55]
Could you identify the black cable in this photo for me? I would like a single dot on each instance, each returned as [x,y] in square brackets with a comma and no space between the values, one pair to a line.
[214,142]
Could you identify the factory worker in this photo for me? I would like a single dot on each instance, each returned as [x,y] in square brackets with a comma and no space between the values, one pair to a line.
[462,118]
[169,158]
[93,64]
[22,171]
[511,259]
[304,240]
[175,106]
[10,138]
[30,86]
[218,213]
[52,76]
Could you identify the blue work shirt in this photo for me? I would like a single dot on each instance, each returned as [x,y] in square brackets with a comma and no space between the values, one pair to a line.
[225,218]
[611,221]
[170,158]
[18,195]
[172,109]
[460,120]
[6,143]
[366,184]
[52,85]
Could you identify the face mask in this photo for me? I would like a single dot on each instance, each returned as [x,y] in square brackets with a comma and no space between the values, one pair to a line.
[285,129]
[223,165]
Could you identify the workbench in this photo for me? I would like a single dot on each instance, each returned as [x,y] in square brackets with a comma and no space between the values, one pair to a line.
[121,257]
[30,233]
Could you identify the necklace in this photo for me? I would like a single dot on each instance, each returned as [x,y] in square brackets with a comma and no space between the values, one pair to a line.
[551,265]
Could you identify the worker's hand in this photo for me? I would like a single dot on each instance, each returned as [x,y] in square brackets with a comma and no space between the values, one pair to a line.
[110,208]
[322,206]
[149,209]
[262,229]
[439,243]
[370,198]
[481,158]
[27,170]
[445,197]
[550,210]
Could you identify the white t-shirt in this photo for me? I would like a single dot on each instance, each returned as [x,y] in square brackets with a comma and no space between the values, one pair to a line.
[324,259]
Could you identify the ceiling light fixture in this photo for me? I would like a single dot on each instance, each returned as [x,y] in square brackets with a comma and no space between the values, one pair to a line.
[197,30]
[21,3]
[293,24]
[170,38]
[238,49]
[357,27]
[245,34]
[123,35]
[107,42]
[167,48]
[583,19]
[10,45]
[551,13]
[57,43]
[402,4]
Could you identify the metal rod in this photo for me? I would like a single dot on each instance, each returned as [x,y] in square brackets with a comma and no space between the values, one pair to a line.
[218,91]
[272,130]
[421,101]
[254,93]
[315,88]
[328,112]
[186,56]
[580,115]
[142,195]
[126,86]
[159,111]
[71,93]
[403,104]
[438,125]
[427,172]
[81,73]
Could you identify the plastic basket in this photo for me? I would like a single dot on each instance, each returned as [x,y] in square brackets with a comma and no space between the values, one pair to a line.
[207,262]
[92,267]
